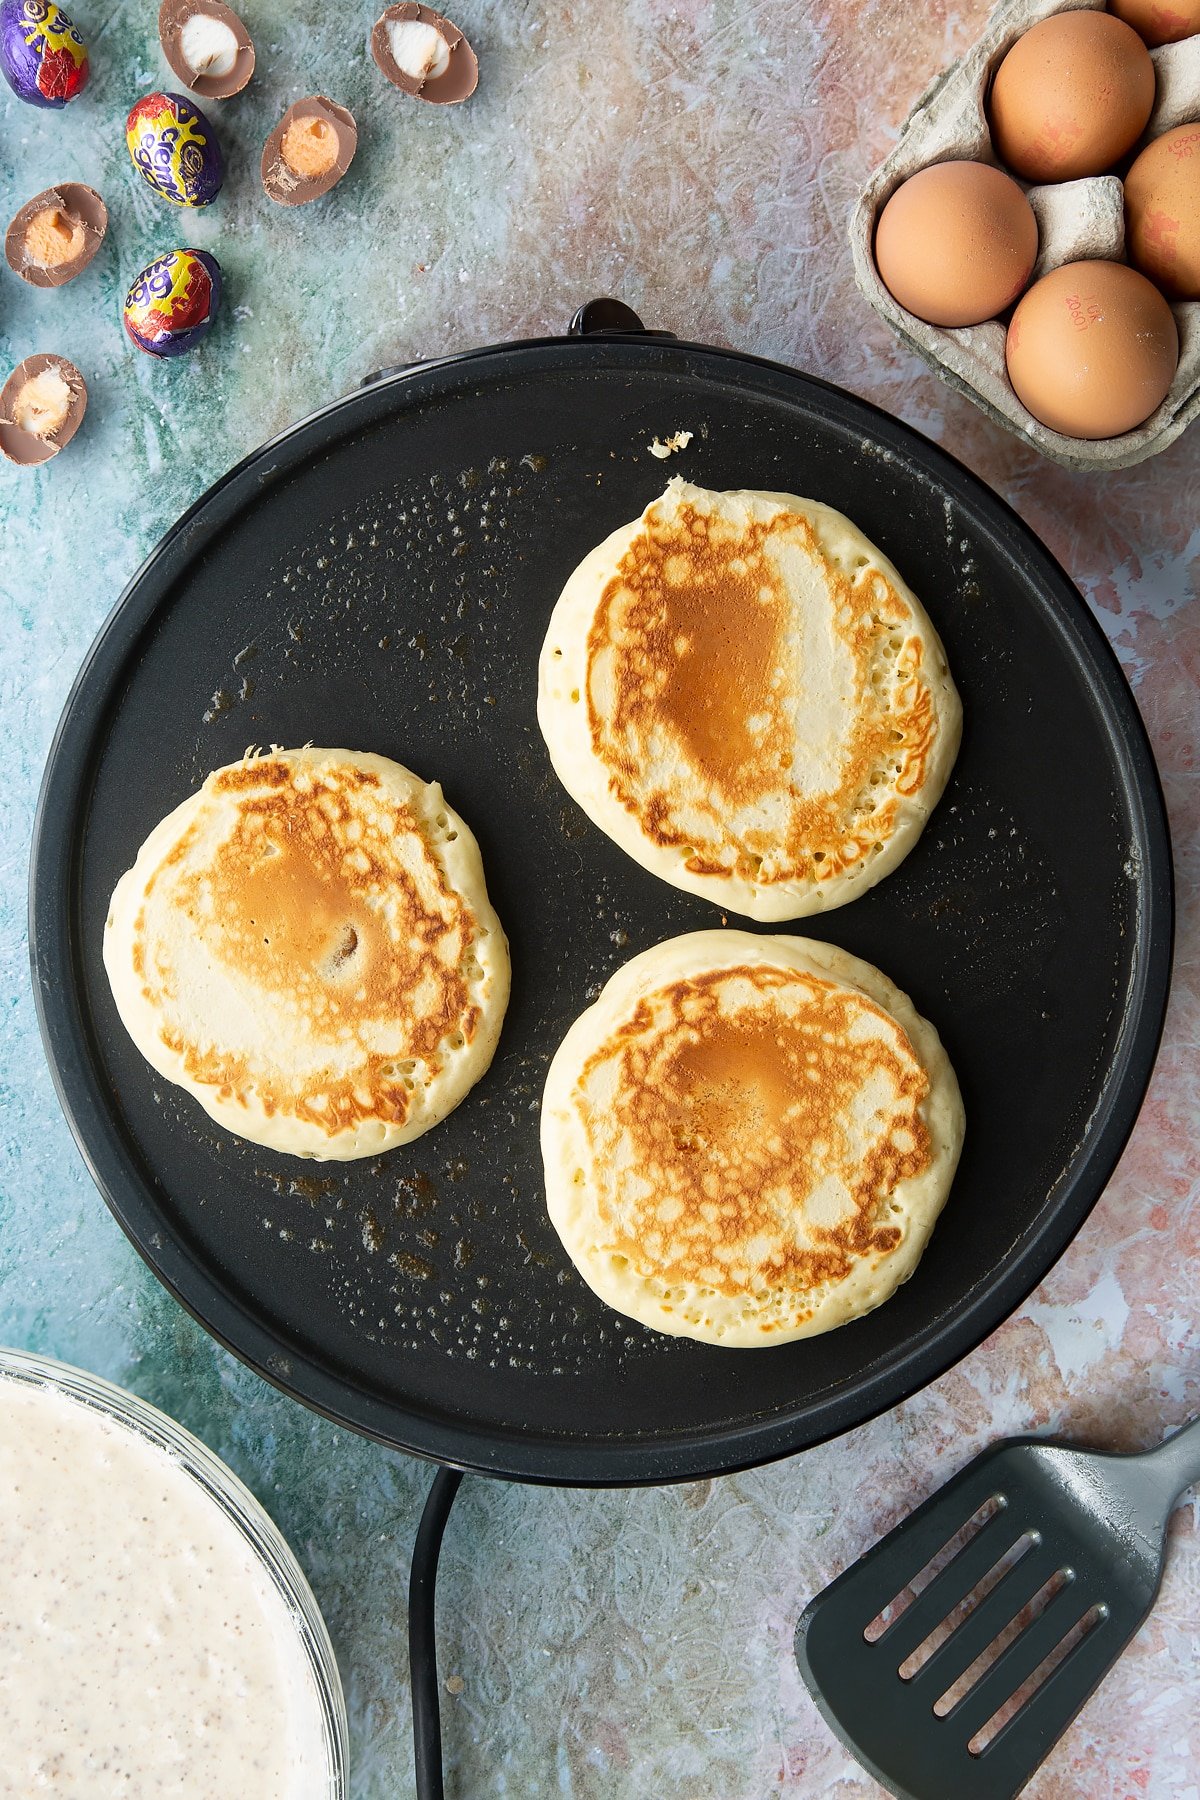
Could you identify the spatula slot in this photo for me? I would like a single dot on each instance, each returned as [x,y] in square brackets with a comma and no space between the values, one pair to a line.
[1004,1715]
[974,1672]
[899,1603]
[962,1610]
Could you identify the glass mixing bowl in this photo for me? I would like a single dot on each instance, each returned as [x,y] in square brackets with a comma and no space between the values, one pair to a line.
[239,1506]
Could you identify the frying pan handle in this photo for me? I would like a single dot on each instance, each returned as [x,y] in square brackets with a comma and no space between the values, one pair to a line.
[392,369]
[422,1639]
[597,318]
[610,318]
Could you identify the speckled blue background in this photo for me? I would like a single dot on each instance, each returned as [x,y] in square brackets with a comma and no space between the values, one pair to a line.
[699,159]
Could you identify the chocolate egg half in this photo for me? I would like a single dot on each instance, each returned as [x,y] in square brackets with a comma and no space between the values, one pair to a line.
[309,151]
[56,234]
[41,408]
[207,46]
[172,303]
[44,59]
[424,55]
[175,149]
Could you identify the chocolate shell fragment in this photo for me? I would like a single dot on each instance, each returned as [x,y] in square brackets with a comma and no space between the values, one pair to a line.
[207,46]
[423,54]
[56,234]
[41,408]
[309,151]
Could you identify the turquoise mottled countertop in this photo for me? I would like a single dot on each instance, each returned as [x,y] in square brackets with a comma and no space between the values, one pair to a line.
[698,159]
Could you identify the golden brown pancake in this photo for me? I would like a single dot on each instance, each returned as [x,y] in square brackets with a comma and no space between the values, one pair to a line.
[307,946]
[748,1139]
[742,692]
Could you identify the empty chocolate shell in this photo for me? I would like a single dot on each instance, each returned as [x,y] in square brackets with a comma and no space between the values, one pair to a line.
[41,407]
[309,151]
[423,54]
[56,234]
[207,46]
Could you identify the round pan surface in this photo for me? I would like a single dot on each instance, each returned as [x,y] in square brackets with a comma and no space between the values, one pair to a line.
[380,578]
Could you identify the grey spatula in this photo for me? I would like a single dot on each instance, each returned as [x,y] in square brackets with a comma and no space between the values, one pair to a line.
[952,1656]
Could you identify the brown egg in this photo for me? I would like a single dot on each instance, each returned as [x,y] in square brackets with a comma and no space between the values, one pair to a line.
[956,242]
[1162,212]
[1159,21]
[1071,97]
[1092,349]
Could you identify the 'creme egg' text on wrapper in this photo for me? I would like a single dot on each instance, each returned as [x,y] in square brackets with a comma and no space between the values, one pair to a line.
[175,149]
[173,302]
[44,59]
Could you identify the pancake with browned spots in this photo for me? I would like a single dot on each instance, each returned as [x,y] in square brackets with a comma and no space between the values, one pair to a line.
[307,946]
[743,693]
[748,1139]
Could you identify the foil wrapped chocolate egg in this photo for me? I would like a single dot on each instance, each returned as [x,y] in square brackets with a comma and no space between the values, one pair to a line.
[175,149]
[173,302]
[44,59]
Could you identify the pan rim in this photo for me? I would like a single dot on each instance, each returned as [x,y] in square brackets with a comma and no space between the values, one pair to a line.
[518,1453]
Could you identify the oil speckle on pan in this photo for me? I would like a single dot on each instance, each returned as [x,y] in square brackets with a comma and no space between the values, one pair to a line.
[342,577]
[993,895]
[396,601]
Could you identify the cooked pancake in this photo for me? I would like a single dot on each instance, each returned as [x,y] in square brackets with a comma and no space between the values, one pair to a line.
[748,1139]
[742,692]
[307,946]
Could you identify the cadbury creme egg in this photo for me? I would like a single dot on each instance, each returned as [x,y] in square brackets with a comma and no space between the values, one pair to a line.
[175,149]
[172,303]
[44,59]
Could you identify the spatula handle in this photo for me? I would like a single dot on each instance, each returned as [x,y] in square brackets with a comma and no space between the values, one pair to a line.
[1178,1459]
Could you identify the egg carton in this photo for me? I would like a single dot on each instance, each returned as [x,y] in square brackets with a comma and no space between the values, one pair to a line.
[1076,220]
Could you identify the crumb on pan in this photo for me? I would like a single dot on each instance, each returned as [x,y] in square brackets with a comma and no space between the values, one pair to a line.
[664,447]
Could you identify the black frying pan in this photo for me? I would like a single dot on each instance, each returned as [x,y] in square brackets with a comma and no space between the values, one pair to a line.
[380,578]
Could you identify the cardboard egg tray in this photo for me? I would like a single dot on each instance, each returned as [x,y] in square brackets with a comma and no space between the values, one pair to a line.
[1076,220]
